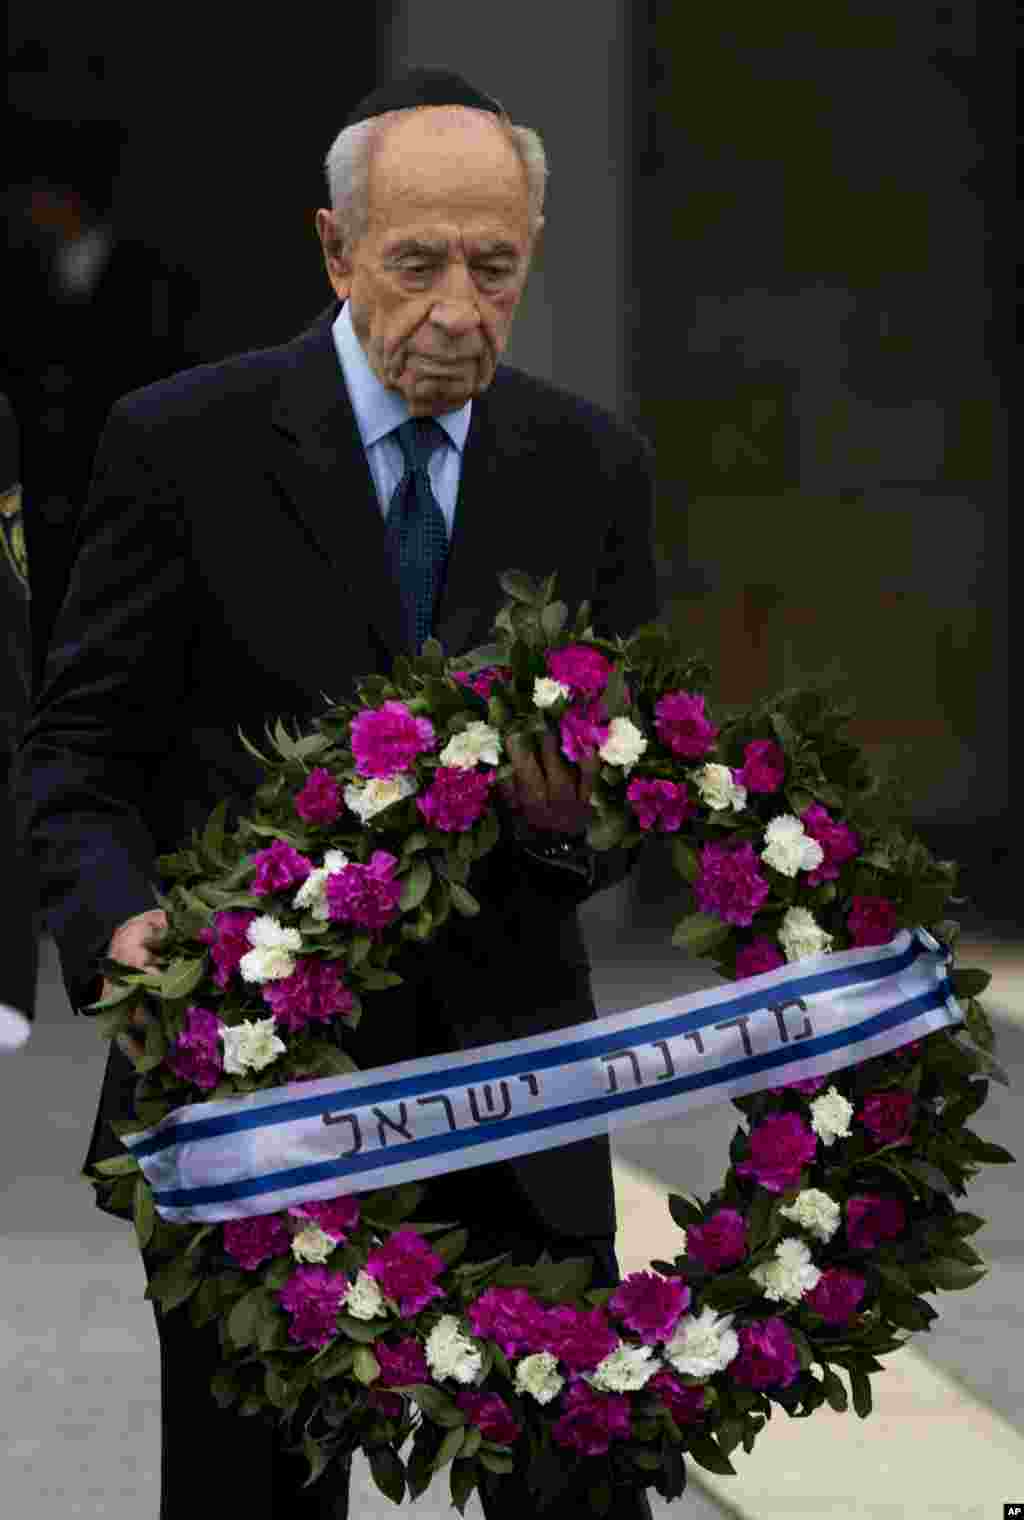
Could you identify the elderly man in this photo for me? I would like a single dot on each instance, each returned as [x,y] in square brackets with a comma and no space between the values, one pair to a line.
[270,528]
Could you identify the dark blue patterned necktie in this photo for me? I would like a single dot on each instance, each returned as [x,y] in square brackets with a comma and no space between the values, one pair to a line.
[415,529]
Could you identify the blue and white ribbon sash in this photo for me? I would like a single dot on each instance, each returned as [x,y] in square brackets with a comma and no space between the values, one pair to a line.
[310,1141]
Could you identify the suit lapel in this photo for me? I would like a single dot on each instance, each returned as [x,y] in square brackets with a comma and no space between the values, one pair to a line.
[320,466]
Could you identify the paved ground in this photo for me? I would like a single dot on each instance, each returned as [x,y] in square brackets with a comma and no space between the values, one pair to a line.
[80,1395]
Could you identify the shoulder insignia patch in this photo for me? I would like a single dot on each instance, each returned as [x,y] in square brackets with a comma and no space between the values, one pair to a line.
[12,534]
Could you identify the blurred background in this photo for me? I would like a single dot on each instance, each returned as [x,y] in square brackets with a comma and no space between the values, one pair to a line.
[778,242]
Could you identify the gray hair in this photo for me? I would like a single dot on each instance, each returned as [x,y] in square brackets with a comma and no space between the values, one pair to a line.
[348,169]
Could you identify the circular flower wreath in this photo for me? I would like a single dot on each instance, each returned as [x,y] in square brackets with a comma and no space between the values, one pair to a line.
[354,1326]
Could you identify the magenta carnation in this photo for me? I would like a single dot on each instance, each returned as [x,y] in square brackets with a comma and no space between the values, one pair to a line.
[683,726]
[457,798]
[584,728]
[228,941]
[886,1116]
[719,1242]
[278,868]
[764,766]
[387,739]
[872,921]
[592,1420]
[660,805]
[684,1402]
[760,955]
[197,1054]
[779,1147]
[650,1305]
[257,1239]
[510,1317]
[839,842]
[585,671]
[319,801]
[579,1338]
[837,1295]
[767,1356]
[405,1268]
[313,1296]
[872,1218]
[730,886]
[315,991]
[490,1412]
[808,1086]
[403,1364]
[365,895]
[336,1216]
[483,681]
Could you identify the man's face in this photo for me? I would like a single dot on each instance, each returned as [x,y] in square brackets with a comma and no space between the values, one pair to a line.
[434,283]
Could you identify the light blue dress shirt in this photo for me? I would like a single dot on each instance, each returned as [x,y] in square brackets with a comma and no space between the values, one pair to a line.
[379,411]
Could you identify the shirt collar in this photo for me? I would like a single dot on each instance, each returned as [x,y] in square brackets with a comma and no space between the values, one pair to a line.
[379,411]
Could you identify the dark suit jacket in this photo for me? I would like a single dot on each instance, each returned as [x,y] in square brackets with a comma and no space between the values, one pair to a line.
[230,566]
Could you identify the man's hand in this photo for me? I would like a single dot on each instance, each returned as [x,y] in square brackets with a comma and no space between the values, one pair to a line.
[133,944]
[551,794]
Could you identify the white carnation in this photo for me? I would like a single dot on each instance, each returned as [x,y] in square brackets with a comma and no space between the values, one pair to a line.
[624,745]
[625,1369]
[364,1300]
[270,959]
[451,1353]
[790,848]
[815,1212]
[718,789]
[478,741]
[538,1375]
[547,692]
[703,1344]
[801,935]
[370,797]
[313,892]
[312,1244]
[789,1275]
[251,1045]
[831,1115]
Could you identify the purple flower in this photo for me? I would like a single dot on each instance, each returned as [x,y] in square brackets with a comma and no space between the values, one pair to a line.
[585,671]
[510,1317]
[490,1412]
[760,955]
[365,895]
[764,766]
[278,868]
[767,1356]
[584,728]
[387,739]
[839,842]
[483,681]
[197,1055]
[228,941]
[684,1402]
[682,725]
[336,1217]
[255,1240]
[315,991]
[886,1116]
[730,886]
[719,1242]
[592,1420]
[650,1305]
[808,1086]
[402,1364]
[660,805]
[779,1147]
[313,1296]
[837,1295]
[872,1218]
[319,801]
[873,921]
[457,798]
[579,1338]
[405,1268]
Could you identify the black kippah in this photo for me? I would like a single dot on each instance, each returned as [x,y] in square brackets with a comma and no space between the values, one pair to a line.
[422,87]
